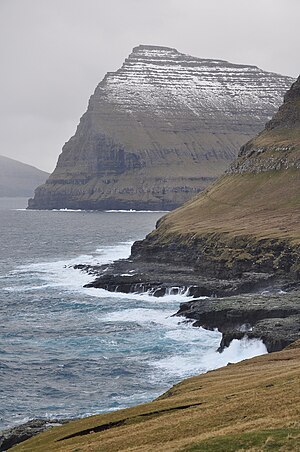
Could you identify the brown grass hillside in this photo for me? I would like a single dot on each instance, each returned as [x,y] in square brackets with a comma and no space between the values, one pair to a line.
[253,405]
[263,205]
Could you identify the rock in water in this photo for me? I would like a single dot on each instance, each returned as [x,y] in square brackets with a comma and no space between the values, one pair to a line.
[159,130]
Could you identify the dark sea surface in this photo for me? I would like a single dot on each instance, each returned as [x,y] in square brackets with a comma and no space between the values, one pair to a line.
[67,351]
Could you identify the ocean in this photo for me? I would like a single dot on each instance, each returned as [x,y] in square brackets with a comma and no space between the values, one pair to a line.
[67,351]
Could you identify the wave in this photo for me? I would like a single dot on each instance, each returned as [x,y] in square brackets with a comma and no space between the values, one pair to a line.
[68,210]
[106,333]
[193,350]
[142,315]
[206,360]
[62,273]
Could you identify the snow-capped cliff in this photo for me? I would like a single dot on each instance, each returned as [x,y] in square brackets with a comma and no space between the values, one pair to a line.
[159,130]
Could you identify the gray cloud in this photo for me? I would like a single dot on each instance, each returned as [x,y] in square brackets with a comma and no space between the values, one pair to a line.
[54,53]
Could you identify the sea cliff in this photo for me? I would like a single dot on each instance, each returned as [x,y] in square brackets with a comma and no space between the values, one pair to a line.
[159,130]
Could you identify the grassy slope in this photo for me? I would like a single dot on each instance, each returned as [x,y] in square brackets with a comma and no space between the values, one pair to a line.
[255,200]
[253,405]
[265,204]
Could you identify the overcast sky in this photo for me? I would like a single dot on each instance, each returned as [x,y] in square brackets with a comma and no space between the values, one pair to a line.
[55,52]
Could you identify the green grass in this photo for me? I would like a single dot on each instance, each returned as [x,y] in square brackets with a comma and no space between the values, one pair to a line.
[287,439]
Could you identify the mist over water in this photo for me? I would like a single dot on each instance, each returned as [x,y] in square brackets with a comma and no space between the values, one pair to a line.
[67,351]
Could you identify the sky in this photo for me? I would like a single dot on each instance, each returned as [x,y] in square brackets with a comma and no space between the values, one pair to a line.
[55,52]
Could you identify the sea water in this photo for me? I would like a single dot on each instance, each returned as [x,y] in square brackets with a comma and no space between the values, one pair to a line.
[67,351]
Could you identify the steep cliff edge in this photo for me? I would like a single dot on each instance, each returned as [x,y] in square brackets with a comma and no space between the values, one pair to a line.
[159,130]
[248,220]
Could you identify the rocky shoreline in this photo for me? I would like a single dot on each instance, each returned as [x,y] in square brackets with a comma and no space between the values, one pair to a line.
[257,305]
[273,318]
[159,279]
[15,435]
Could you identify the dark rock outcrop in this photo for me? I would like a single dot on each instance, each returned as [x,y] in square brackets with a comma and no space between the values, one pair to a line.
[223,256]
[274,318]
[20,433]
[159,130]
[159,279]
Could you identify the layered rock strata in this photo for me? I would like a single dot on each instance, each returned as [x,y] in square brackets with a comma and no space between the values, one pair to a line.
[167,278]
[159,130]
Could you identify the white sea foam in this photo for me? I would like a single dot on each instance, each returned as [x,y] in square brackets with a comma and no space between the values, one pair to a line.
[202,360]
[113,253]
[176,328]
[185,332]
[139,297]
[62,274]
[196,351]
[142,315]
[68,210]
[197,347]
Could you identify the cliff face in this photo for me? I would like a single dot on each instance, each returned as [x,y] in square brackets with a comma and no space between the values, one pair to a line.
[159,130]
[278,146]
[248,220]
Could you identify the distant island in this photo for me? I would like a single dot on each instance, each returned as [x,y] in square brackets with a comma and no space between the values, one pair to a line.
[18,179]
[159,130]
